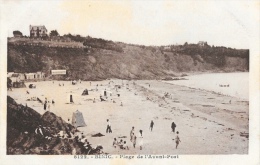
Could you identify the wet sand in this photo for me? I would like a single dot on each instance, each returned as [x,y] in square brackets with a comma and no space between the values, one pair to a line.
[207,122]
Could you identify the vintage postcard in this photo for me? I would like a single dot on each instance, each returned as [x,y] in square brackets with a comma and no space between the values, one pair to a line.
[125,82]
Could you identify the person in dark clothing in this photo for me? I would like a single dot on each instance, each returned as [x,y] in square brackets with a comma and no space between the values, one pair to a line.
[151,125]
[45,105]
[108,127]
[173,127]
[105,93]
[71,99]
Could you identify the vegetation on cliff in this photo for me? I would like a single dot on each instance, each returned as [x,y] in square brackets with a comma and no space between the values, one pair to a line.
[101,59]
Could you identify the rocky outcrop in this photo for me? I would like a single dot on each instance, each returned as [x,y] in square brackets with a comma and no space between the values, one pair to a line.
[24,136]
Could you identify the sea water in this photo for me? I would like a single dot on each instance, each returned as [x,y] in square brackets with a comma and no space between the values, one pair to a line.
[238,83]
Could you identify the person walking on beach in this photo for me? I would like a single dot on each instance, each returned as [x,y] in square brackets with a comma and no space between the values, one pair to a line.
[141,139]
[108,127]
[132,133]
[134,140]
[151,125]
[173,126]
[177,139]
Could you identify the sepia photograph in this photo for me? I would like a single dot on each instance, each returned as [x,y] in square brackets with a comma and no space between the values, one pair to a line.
[159,79]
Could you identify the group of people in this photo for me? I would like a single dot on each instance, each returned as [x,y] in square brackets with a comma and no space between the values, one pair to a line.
[177,138]
[133,138]
[121,144]
[48,104]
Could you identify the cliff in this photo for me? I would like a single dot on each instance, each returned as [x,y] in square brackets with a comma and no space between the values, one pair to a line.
[100,59]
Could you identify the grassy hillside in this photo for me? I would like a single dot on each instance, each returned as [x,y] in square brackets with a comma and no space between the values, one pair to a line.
[101,59]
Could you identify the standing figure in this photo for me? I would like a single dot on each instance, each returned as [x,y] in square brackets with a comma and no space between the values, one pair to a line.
[105,93]
[108,127]
[134,140]
[132,133]
[71,99]
[177,139]
[173,126]
[141,139]
[45,105]
[49,106]
[151,125]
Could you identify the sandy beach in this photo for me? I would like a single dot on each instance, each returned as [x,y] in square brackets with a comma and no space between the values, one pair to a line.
[208,123]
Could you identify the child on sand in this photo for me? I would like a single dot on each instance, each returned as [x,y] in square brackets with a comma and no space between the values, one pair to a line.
[125,147]
[120,144]
[177,139]
[115,143]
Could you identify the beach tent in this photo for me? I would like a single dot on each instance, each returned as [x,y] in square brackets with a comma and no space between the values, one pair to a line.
[77,119]
[74,82]
[85,92]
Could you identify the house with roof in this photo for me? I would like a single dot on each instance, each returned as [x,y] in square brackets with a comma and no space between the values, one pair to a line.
[17,77]
[9,74]
[39,75]
[38,31]
[30,76]
[202,43]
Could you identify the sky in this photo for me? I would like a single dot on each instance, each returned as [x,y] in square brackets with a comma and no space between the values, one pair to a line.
[220,23]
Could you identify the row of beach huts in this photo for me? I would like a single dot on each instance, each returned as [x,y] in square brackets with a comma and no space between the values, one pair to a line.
[17,77]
